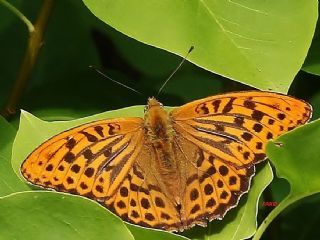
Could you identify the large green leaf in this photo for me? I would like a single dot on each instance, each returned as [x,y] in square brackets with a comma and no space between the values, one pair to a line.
[141,233]
[49,215]
[296,157]
[312,62]
[240,222]
[9,182]
[259,43]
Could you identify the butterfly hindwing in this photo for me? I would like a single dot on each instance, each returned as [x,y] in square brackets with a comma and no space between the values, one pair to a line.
[212,187]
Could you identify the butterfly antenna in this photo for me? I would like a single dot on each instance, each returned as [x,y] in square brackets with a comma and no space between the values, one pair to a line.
[119,83]
[177,68]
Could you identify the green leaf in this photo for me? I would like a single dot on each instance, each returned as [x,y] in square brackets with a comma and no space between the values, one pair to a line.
[9,182]
[312,62]
[50,215]
[295,153]
[240,222]
[295,156]
[186,82]
[259,43]
[315,101]
[140,233]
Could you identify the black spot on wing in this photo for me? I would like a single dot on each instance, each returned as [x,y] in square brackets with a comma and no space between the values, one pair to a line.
[99,130]
[223,170]
[145,203]
[202,109]
[208,189]
[247,136]
[269,135]
[49,168]
[69,157]
[228,107]
[75,168]
[194,194]
[257,115]
[89,172]
[257,127]
[88,154]
[159,202]
[281,116]
[249,104]
[71,142]
[124,192]
[216,104]
[239,120]
[271,121]
[90,137]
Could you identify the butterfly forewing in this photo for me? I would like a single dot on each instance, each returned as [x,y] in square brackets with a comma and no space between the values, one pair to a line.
[74,160]
[237,126]
[168,170]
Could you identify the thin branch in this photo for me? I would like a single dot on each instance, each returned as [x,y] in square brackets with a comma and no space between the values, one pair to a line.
[35,43]
[19,14]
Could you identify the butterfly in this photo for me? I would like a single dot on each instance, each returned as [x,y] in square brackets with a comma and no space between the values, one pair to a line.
[168,170]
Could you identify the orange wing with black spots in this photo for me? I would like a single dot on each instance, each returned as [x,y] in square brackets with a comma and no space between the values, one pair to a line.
[221,139]
[169,170]
[87,160]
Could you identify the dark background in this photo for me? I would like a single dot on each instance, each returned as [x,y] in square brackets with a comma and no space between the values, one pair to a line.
[62,86]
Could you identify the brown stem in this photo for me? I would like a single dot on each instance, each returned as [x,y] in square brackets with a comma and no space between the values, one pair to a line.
[35,43]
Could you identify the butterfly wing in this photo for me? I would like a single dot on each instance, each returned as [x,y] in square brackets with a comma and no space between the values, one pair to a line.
[237,126]
[107,161]
[89,160]
[211,186]
[142,198]
[221,138]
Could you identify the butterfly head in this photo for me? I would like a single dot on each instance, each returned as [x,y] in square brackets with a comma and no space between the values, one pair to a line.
[152,102]
[156,119]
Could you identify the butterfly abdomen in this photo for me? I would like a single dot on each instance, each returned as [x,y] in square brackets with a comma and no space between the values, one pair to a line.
[161,141]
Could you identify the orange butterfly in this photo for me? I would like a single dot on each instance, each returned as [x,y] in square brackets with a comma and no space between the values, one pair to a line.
[169,170]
